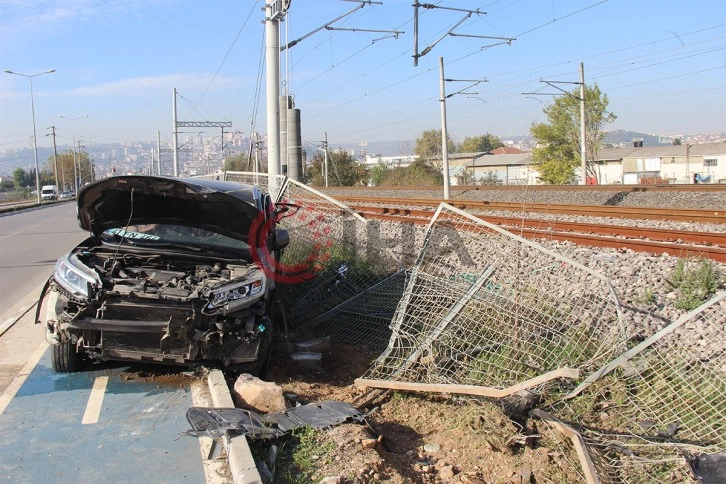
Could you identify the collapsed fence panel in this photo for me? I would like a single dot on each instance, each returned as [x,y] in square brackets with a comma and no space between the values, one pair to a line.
[485,307]
[661,405]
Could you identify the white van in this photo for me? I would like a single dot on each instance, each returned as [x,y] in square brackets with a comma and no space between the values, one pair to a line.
[48,193]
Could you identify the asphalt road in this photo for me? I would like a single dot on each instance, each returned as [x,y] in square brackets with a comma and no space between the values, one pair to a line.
[30,242]
[105,424]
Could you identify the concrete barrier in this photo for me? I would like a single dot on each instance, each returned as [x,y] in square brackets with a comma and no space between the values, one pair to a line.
[241,463]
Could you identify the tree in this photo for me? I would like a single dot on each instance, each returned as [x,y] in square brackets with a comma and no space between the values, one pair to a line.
[419,173]
[22,178]
[677,142]
[428,147]
[343,170]
[7,185]
[478,144]
[378,173]
[66,170]
[236,163]
[466,177]
[557,154]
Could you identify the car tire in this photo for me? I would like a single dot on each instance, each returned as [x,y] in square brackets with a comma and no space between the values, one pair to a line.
[65,358]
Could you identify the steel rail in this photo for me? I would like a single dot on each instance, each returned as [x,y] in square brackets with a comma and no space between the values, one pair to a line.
[513,223]
[706,187]
[638,245]
[648,213]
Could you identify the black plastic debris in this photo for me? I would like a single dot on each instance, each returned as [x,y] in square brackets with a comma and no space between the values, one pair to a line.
[214,422]
[320,415]
[710,468]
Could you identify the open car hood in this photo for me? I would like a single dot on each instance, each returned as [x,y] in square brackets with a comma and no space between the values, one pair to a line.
[228,208]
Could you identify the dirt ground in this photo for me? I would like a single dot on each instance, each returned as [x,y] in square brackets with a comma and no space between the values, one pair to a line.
[419,438]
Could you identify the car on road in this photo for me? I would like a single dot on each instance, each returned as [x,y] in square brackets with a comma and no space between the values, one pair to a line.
[49,193]
[65,195]
[175,271]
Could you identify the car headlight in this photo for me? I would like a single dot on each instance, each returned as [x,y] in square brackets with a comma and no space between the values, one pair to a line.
[75,277]
[235,294]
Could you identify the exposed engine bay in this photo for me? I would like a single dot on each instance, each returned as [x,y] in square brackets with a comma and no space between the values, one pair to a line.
[179,309]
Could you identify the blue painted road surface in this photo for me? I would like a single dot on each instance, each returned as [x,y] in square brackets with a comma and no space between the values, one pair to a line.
[98,426]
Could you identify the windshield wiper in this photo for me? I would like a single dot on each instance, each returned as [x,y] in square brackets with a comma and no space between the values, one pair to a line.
[167,245]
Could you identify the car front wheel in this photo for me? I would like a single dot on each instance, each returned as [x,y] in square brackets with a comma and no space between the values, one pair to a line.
[65,358]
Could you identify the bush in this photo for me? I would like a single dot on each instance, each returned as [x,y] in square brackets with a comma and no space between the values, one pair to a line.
[696,279]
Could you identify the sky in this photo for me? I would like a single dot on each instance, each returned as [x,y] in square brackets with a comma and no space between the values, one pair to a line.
[661,63]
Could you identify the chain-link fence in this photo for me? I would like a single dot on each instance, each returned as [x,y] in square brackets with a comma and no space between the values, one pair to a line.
[486,308]
[661,403]
[341,275]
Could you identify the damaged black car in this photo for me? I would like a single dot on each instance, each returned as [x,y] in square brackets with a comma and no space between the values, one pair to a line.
[175,271]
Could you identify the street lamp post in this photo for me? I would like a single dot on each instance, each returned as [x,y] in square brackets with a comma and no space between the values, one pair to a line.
[35,137]
[75,173]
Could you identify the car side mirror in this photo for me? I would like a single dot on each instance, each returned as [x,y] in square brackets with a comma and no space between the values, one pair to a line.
[280,240]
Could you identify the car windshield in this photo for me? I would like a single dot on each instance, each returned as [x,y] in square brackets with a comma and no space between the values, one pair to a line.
[181,236]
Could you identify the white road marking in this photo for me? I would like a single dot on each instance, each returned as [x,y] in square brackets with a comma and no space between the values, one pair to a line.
[15,385]
[11,321]
[95,401]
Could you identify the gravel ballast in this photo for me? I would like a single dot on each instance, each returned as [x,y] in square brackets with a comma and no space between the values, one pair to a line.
[642,281]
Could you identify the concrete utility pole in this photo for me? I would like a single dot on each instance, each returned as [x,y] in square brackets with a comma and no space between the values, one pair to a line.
[284,162]
[80,169]
[175,136]
[444,144]
[583,132]
[158,152]
[294,144]
[444,131]
[257,152]
[76,172]
[273,14]
[55,161]
[415,33]
[325,162]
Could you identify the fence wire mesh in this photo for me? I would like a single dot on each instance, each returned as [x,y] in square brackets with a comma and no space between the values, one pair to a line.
[341,275]
[621,460]
[485,307]
[661,403]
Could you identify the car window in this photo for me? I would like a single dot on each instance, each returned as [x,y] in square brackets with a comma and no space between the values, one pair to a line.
[175,234]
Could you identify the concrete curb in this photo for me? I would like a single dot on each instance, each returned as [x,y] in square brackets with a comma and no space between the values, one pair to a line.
[241,463]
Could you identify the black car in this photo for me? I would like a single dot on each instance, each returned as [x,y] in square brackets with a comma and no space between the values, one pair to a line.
[175,271]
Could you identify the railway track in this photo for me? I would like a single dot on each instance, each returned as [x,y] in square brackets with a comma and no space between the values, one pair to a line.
[637,213]
[679,243]
[712,187]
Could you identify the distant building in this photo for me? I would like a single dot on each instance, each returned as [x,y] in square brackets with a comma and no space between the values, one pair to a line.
[389,161]
[503,169]
[506,150]
[687,163]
